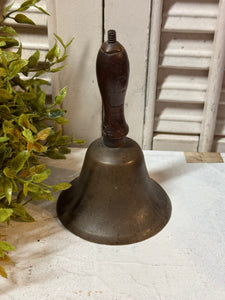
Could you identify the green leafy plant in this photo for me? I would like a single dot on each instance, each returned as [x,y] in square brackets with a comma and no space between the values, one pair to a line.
[27,124]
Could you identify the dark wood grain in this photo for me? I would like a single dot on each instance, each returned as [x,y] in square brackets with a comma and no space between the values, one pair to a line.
[112,74]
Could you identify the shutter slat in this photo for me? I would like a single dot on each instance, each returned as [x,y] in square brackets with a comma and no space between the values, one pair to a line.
[219,144]
[199,8]
[180,96]
[179,112]
[186,86]
[222,97]
[189,24]
[184,16]
[175,142]
[184,62]
[186,49]
[171,126]
[220,127]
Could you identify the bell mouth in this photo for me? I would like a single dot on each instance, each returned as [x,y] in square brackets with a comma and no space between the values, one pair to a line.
[114,201]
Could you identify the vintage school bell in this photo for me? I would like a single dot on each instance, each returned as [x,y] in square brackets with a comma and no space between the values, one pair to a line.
[114,201]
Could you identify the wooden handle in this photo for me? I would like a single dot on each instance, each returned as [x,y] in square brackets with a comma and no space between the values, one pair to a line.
[112,74]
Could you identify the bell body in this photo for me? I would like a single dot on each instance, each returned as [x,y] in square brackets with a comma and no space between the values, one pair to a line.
[114,201]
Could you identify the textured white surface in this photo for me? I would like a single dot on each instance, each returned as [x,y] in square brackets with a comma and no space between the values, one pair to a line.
[184,261]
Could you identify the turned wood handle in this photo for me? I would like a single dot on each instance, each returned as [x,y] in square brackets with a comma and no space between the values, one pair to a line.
[112,74]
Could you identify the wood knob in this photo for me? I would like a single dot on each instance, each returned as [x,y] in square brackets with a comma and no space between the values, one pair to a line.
[112,73]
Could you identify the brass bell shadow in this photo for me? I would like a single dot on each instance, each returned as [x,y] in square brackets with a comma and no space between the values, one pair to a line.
[114,201]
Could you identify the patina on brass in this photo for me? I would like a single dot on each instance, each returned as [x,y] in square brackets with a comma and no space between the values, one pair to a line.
[114,201]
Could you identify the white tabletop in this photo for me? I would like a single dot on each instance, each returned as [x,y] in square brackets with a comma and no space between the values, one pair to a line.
[185,261]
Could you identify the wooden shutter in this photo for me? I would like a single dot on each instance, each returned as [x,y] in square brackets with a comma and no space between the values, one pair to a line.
[185,55]
[33,37]
[219,139]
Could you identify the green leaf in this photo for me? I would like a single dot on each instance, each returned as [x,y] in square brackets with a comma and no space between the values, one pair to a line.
[3,272]
[64,150]
[33,59]
[10,56]
[37,147]
[6,259]
[9,172]
[34,160]
[33,128]
[19,160]
[55,155]
[8,189]
[70,42]
[60,40]
[29,3]
[3,72]
[5,213]
[25,188]
[61,140]
[43,134]
[51,53]
[42,10]
[61,186]
[40,168]
[27,133]
[6,246]
[54,70]
[20,18]
[39,73]
[37,178]
[16,66]
[19,211]
[8,126]
[3,139]
[41,196]
[61,95]
[35,188]
[14,186]
[5,94]
[57,52]
[28,96]
[19,51]
[40,104]
[55,113]
[10,42]
[2,43]
[24,121]
[7,8]
[61,120]
[45,82]
[26,3]
[79,142]
[3,60]
[61,59]
[8,29]
[53,136]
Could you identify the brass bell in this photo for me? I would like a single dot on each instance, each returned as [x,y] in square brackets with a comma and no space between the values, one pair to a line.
[114,201]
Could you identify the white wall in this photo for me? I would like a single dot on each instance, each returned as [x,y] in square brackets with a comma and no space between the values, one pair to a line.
[81,19]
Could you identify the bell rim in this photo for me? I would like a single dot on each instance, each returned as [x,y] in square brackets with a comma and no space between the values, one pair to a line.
[94,238]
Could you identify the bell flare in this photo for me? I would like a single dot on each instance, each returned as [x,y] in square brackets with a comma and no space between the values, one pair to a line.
[114,201]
